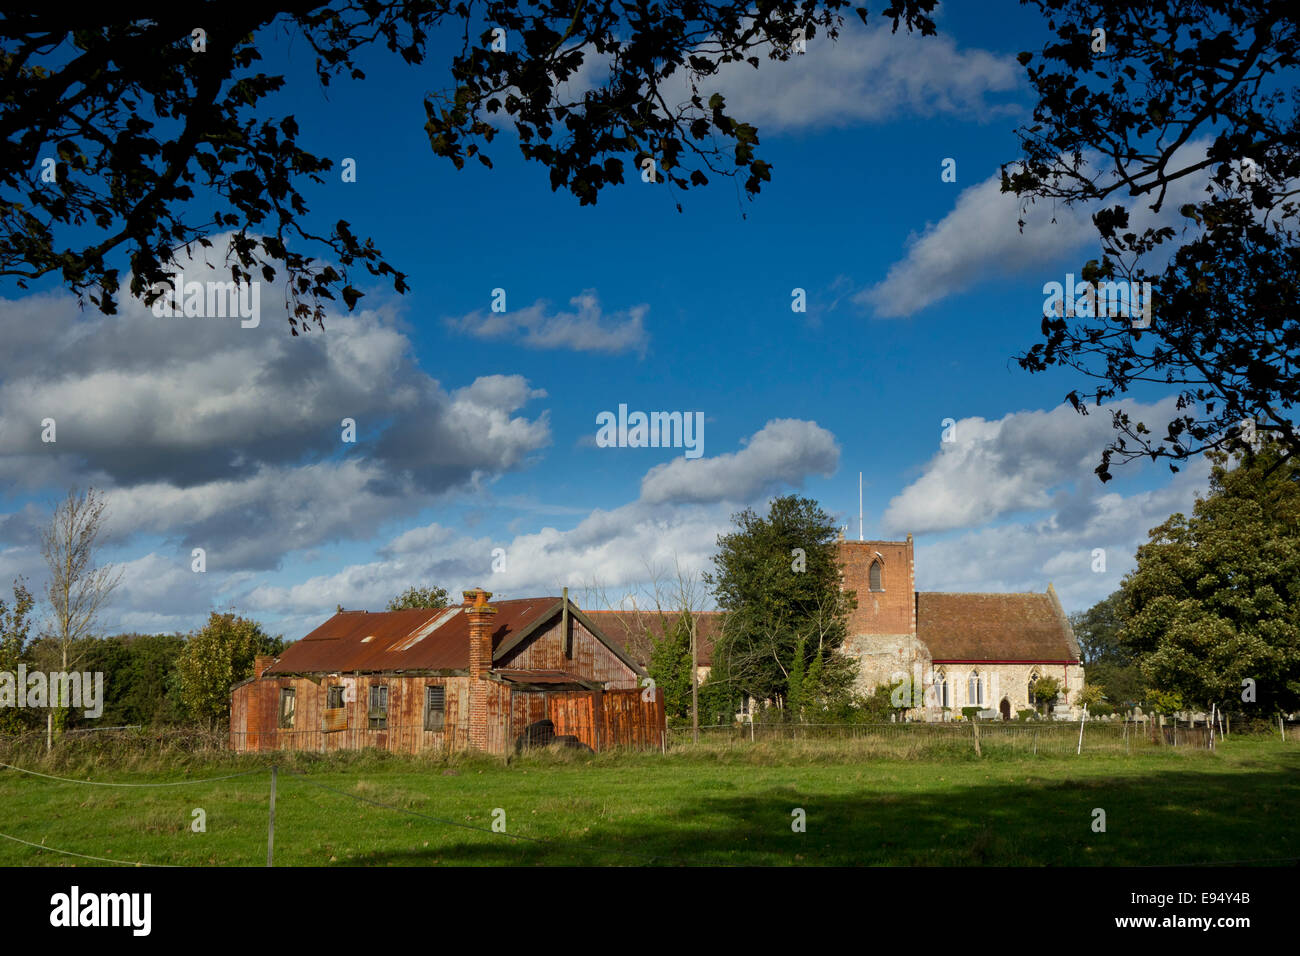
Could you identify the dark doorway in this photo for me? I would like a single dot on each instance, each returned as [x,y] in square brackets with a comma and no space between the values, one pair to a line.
[1006,709]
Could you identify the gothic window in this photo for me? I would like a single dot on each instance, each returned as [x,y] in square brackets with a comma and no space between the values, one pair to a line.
[941,689]
[975,690]
[876,576]
[1033,679]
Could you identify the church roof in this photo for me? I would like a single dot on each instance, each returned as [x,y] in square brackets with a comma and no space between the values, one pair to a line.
[995,627]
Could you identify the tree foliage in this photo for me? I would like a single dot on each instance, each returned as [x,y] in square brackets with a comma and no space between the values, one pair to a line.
[77,588]
[413,597]
[1109,663]
[15,630]
[1183,93]
[162,137]
[670,665]
[216,657]
[782,621]
[141,678]
[1046,690]
[1215,598]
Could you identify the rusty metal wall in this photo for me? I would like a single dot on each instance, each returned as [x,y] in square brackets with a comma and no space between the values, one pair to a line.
[591,659]
[628,720]
[600,719]
[255,712]
[606,719]
[526,707]
[498,717]
[574,713]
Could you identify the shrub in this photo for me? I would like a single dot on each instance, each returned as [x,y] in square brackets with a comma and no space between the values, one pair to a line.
[1046,690]
[1027,714]
[970,713]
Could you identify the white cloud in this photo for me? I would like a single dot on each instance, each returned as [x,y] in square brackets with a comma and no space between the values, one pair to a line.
[783,452]
[586,329]
[228,438]
[1013,504]
[1027,555]
[1024,461]
[676,519]
[980,239]
[868,76]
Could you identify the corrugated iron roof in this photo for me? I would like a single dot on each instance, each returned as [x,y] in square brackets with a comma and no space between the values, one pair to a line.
[994,627]
[416,639]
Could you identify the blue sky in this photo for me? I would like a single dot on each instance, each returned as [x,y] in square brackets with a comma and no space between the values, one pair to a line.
[476,429]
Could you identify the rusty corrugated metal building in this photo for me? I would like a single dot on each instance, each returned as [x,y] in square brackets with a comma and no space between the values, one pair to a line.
[476,676]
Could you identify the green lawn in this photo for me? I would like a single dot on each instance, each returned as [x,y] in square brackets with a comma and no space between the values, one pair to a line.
[727,807]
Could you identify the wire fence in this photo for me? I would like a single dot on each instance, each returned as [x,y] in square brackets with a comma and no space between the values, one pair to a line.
[589,852]
[908,739]
[981,737]
[132,747]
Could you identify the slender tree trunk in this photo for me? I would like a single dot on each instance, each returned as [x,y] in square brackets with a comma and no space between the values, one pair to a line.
[695,683]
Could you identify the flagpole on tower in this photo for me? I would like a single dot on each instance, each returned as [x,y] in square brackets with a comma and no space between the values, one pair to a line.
[859,506]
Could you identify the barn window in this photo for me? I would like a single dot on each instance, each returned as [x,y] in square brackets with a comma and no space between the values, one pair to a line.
[335,699]
[975,690]
[378,707]
[877,576]
[287,701]
[435,707]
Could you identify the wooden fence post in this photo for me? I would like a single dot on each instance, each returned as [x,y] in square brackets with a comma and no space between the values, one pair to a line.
[270,823]
[975,726]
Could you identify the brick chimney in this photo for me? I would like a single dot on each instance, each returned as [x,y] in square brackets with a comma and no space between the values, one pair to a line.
[479,614]
[260,663]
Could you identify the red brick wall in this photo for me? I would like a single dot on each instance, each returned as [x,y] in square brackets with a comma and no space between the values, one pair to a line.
[893,610]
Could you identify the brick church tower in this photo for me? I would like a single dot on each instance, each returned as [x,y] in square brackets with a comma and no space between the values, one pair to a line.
[882,631]
[963,649]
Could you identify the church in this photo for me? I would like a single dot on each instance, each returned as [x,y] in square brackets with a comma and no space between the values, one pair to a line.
[955,649]
[963,649]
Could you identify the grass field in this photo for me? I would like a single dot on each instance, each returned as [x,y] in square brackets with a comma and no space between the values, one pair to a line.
[729,806]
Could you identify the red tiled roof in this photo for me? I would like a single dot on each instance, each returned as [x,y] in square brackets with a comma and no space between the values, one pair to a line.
[417,639]
[635,630]
[994,627]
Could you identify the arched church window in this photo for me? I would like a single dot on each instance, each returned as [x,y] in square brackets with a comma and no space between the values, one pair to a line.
[1033,679]
[941,689]
[876,576]
[975,690]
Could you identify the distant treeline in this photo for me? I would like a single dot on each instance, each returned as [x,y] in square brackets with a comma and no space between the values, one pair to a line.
[153,680]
